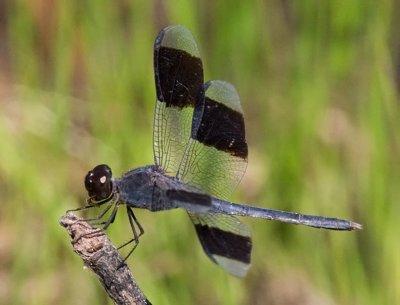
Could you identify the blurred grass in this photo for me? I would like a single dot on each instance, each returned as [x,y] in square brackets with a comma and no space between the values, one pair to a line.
[319,85]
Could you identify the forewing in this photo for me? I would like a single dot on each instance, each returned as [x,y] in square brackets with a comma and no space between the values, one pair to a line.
[216,156]
[179,85]
[226,241]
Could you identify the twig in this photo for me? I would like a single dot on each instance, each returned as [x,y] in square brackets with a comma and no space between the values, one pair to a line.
[97,253]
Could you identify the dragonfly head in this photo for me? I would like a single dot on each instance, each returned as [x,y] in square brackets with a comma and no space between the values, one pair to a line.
[98,183]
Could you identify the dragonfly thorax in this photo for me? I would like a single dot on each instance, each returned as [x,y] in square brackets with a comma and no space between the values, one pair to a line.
[98,183]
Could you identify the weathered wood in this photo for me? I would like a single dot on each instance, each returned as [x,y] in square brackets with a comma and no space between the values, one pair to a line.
[98,254]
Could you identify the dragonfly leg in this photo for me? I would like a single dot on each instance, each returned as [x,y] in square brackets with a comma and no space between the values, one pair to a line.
[100,216]
[132,220]
[123,263]
[88,206]
[111,218]
[141,230]
[97,232]
[90,203]
[105,224]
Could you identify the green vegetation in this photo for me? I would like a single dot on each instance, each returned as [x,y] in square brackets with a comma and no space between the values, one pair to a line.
[317,80]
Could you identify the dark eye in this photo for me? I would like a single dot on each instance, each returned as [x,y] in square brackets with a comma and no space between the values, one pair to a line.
[98,182]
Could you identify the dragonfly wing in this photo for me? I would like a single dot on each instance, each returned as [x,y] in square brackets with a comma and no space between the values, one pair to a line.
[179,85]
[199,135]
[214,162]
[226,241]
[216,156]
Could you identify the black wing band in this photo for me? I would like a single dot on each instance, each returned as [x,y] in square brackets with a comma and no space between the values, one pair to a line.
[225,240]
[221,124]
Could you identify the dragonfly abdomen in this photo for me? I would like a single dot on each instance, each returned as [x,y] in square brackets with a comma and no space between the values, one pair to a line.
[226,207]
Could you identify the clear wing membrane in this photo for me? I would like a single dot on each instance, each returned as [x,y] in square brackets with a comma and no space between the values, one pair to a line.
[179,85]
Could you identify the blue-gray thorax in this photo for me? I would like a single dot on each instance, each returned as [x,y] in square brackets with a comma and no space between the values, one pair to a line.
[145,186]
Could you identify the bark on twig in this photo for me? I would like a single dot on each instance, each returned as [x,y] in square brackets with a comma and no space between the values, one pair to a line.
[97,253]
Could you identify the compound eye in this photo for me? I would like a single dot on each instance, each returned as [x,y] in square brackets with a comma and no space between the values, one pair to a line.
[98,182]
[102,170]
[89,181]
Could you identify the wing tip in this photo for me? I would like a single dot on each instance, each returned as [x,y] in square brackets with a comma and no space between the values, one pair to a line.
[177,37]
[232,266]
[223,92]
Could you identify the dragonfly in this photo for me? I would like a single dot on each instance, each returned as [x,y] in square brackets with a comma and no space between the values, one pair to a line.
[200,156]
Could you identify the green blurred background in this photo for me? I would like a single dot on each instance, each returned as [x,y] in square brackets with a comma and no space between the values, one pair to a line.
[319,83]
